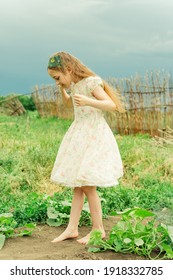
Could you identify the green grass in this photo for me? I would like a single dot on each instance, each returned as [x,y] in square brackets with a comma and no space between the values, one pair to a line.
[28,147]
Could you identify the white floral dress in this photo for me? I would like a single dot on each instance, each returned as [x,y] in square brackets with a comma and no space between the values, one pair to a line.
[88,154]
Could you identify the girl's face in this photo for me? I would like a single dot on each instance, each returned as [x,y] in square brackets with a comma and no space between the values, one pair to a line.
[62,79]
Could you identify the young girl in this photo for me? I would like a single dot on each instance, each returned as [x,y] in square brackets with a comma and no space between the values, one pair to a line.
[88,156]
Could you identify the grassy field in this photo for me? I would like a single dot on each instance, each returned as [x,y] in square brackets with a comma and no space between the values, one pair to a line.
[28,147]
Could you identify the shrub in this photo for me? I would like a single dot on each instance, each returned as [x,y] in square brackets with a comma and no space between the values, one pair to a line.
[27,102]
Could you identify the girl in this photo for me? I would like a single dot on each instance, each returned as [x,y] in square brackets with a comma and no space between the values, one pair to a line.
[88,156]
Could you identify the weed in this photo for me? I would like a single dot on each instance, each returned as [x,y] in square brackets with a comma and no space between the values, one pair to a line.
[8,228]
[134,234]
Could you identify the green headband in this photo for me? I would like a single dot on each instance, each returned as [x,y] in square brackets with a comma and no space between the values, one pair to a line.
[55,62]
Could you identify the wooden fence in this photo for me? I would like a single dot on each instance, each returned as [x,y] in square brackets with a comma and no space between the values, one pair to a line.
[11,106]
[149,104]
[48,102]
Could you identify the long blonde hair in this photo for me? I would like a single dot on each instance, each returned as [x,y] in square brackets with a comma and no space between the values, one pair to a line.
[80,71]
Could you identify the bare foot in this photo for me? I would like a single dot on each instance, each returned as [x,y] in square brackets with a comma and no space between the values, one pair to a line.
[85,239]
[67,234]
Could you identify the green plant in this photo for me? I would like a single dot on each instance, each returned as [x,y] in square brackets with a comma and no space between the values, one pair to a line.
[27,102]
[8,228]
[59,214]
[26,208]
[136,232]
[56,216]
[42,208]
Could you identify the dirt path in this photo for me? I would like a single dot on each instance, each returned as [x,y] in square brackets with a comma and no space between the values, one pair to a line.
[38,246]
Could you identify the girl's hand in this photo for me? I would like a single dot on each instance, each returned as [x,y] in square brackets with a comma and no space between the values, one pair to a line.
[62,87]
[81,100]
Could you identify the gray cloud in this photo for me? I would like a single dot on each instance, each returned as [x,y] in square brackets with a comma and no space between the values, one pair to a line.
[113,37]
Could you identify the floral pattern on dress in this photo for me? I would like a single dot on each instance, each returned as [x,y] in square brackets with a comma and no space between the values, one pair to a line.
[88,154]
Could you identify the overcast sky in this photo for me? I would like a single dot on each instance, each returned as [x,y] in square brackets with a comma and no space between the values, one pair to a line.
[116,38]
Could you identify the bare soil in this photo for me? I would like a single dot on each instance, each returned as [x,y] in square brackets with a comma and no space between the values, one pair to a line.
[38,246]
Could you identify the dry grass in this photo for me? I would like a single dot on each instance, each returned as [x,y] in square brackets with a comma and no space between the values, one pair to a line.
[167,137]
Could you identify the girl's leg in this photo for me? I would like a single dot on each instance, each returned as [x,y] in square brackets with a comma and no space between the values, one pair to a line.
[96,212]
[76,208]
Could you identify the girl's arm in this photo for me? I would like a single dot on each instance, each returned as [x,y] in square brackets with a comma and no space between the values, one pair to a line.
[102,101]
[67,100]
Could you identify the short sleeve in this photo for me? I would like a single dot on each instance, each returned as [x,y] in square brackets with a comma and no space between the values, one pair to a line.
[93,82]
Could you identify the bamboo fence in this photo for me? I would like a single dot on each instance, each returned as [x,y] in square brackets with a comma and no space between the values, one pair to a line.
[149,104]
[48,102]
